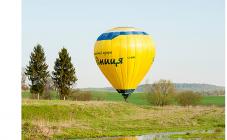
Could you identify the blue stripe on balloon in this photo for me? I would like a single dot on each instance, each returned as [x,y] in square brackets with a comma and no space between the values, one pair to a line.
[112,35]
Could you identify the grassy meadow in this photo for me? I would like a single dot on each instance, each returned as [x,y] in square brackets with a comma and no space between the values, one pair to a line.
[213,100]
[108,115]
[55,119]
[135,98]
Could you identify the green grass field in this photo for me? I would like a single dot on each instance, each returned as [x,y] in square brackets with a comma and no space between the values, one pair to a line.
[57,119]
[136,98]
[213,100]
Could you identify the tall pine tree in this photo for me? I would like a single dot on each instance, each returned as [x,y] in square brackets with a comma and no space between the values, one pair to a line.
[64,74]
[37,71]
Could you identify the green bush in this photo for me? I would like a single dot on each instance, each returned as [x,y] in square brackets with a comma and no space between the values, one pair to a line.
[98,98]
[187,98]
[46,95]
[78,95]
[160,99]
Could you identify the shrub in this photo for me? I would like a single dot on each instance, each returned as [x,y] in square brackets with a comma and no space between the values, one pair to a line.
[46,95]
[187,98]
[99,98]
[161,93]
[47,89]
[160,99]
[33,96]
[78,95]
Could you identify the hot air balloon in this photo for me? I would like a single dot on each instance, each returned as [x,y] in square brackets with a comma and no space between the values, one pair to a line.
[124,55]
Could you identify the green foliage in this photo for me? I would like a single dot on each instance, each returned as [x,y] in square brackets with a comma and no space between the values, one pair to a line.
[37,70]
[161,93]
[187,98]
[64,74]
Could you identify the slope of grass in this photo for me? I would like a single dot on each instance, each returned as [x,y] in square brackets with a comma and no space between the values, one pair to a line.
[77,119]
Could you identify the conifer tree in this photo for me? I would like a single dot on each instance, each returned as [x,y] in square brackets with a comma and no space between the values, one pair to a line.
[37,71]
[64,74]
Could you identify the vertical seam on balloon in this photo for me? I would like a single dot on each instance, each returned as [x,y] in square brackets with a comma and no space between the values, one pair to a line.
[103,66]
[115,68]
[138,66]
[107,67]
[139,63]
[116,77]
[122,83]
[129,71]
[145,58]
[123,69]
[133,76]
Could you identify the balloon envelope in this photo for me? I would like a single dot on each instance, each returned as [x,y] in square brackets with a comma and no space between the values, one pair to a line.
[124,55]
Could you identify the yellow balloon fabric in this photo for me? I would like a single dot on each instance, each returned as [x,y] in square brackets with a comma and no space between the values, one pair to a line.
[124,55]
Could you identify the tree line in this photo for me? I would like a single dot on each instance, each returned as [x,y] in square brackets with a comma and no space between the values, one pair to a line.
[63,75]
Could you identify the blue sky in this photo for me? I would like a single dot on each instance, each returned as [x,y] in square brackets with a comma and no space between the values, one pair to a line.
[189,35]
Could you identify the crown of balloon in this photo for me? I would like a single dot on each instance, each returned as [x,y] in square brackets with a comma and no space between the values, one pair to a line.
[124,29]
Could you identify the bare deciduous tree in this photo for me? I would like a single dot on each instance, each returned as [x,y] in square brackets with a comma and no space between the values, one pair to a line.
[160,92]
[23,80]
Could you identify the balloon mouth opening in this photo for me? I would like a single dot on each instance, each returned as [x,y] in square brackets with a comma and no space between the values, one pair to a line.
[125,92]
